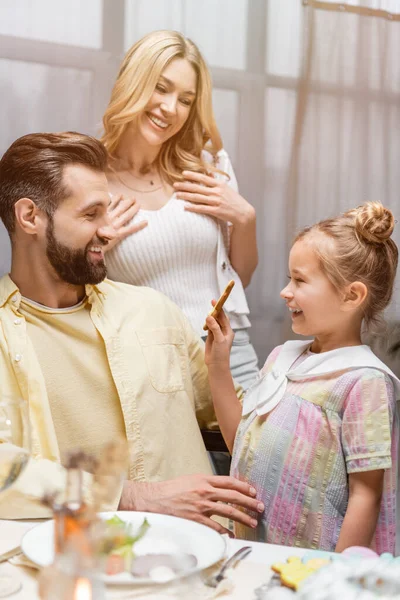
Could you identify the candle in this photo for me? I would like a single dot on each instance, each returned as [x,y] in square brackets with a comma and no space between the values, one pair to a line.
[83,589]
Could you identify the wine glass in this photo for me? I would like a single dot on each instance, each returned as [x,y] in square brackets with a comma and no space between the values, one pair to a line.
[14,455]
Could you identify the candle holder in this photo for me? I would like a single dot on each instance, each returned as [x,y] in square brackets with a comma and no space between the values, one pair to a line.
[72,577]
[79,534]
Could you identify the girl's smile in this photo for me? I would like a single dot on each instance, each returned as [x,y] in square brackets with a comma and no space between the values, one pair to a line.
[317,308]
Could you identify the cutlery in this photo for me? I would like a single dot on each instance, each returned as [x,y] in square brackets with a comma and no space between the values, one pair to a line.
[214,580]
[264,591]
[10,554]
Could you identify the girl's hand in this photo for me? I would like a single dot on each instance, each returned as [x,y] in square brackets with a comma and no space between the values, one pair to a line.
[120,212]
[210,196]
[219,340]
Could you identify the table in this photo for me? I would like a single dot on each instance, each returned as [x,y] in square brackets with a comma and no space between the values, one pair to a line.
[253,570]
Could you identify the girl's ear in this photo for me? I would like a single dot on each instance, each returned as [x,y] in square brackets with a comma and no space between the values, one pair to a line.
[355,295]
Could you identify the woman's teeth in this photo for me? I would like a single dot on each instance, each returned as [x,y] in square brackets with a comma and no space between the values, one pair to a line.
[295,310]
[158,122]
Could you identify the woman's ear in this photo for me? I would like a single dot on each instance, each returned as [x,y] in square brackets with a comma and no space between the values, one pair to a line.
[354,296]
[28,216]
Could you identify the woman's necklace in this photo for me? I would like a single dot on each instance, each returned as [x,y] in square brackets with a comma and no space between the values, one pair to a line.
[153,189]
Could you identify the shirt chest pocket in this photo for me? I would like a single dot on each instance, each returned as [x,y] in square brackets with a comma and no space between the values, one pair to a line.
[164,351]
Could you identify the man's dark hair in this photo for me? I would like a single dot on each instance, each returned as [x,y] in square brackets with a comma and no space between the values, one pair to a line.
[33,167]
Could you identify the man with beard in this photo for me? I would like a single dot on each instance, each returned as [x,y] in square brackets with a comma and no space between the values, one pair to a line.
[96,360]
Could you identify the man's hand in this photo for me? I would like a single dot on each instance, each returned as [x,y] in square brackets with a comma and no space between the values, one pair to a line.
[195,497]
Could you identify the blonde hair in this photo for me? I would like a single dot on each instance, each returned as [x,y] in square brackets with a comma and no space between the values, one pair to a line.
[138,76]
[359,248]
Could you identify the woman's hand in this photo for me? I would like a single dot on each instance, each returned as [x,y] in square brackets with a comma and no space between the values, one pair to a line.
[210,196]
[120,212]
[219,341]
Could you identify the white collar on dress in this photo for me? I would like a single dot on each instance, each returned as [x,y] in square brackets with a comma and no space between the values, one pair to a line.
[268,391]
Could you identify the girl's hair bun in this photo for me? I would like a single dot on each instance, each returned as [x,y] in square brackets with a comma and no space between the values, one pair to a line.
[373,222]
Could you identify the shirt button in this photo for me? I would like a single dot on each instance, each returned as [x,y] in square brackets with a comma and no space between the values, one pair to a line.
[17,321]
[14,299]
[18,357]
[223,266]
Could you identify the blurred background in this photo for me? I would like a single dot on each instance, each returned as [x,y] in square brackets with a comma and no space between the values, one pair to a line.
[306,95]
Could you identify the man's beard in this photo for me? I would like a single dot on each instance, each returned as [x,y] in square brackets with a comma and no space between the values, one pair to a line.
[73,266]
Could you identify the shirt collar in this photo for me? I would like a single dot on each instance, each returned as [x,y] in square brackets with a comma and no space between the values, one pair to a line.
[9,292]
[266,393]
[94,293]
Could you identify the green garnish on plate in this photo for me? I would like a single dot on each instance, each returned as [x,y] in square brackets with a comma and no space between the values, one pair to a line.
[119,542]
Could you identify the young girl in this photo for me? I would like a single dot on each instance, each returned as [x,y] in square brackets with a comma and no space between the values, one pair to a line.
[317,434]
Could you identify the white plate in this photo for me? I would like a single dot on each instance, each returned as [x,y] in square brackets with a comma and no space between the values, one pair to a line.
[165,535]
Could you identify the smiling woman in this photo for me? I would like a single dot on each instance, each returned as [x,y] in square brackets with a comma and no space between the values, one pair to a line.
[181,225]
[164,116]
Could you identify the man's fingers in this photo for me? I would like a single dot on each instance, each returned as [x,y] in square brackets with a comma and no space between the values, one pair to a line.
[231,483]
[239,499]
[213,524]
[230,512]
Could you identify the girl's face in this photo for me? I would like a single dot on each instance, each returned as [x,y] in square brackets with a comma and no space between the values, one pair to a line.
[316,306]
[169,106]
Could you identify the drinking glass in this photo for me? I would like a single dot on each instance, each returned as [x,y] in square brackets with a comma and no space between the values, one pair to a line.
[14,456]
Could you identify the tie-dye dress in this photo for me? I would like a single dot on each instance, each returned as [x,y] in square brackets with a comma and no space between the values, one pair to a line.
[299,456]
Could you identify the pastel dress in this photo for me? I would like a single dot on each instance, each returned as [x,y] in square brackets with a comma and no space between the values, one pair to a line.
[308,422]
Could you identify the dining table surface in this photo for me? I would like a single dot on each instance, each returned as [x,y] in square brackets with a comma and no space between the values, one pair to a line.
[252,572]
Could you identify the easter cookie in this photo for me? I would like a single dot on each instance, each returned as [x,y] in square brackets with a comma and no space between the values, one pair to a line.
[294,571]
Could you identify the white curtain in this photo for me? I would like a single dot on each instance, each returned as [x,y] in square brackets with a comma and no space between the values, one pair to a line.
[307,97]
[346,144]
